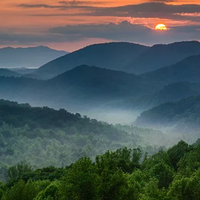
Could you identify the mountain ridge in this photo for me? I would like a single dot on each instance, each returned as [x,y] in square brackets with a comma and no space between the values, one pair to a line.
[161,55]
[112,55]
[27,57]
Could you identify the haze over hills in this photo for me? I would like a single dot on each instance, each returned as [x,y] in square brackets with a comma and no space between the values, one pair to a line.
[91,89]
[109,55]
[162,55]
[31,57]
[8,73]
[110,121]
[22,70]
[171,83]
[82,88]
[169,93]
[175,91]
[85,88]
[183,115]
[185,70]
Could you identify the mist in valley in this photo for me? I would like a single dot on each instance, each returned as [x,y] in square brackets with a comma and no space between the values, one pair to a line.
[62,117]
[100,100]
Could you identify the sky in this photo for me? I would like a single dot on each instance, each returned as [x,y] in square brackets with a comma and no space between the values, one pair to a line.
[72,24]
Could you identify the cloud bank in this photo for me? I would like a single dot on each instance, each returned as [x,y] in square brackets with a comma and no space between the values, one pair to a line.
[124,31]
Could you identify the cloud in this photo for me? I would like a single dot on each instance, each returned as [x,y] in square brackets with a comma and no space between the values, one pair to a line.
[66,5]
[163,1]
[152,9]
[78,3]
[156,9]
[124,31]
[121,31]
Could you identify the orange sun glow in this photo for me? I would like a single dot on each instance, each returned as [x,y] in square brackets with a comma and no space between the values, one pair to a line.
[161,27]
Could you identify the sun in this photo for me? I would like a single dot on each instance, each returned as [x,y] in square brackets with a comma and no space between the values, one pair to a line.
[161,27]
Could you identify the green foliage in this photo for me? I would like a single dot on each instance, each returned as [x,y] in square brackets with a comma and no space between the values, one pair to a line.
[81,181]
[47,137]
[177,152]
[117,175]
[122,173]
[183,114]
[16,172]
[21,191]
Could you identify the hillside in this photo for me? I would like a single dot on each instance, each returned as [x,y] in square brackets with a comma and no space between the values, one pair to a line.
[97,79]
[82,88]
[169,93]
[109,55]
[8,73]
[185,70]
[161,55]
[183,114]
[89,88]
[122,174]
[27,57]
[23,70]
[45,137]
[176,91]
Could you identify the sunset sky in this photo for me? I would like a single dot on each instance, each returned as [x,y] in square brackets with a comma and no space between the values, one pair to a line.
[72,24]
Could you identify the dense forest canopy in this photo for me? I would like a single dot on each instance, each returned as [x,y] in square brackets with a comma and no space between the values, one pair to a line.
[43,137]
[116,175]
[50,153]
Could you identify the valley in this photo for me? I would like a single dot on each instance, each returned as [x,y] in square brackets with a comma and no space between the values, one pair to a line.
[86,112]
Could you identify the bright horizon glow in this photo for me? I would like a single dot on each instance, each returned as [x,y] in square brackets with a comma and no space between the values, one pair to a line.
[161,27]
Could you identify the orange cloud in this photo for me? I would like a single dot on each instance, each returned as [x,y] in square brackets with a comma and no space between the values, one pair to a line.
[29,17]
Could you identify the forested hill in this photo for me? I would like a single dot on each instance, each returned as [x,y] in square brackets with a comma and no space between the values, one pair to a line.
[8,73]
[79,90]
[185,70]
[124,174]
[161,55]
[20,115]
[93,82]
[184,114]
[109,55]
[44,136]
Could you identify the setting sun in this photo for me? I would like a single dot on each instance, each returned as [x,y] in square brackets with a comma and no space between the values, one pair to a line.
[161,27]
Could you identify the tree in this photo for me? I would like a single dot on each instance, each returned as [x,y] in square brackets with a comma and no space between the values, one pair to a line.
[17,171]
[177,152]
[81,181]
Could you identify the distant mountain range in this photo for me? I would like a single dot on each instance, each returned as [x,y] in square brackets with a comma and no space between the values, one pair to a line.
[109,55]
[8,73]
[32,57]
[22,70]
[128,57]
[185,70]
[84,88]
[81,88]
[161,55]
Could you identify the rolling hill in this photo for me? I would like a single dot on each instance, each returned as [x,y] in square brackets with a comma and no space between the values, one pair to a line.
[183,115]
[185,70]
[161,55]
[32,57]
[92,86]
[82,88]
[109,55]
[169,93]
[8,73]
[23,70]
[85,88]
